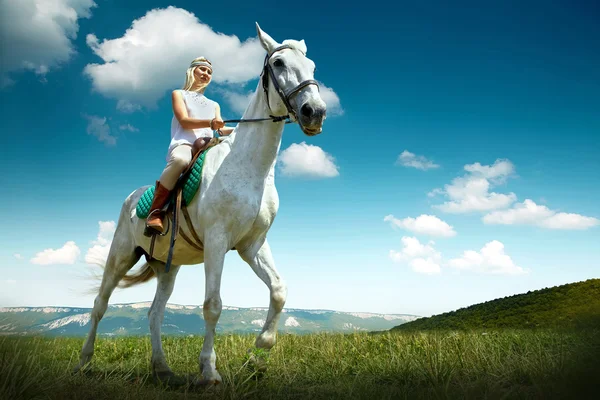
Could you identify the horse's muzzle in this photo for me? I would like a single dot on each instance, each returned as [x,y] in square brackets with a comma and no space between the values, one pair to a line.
[311,117]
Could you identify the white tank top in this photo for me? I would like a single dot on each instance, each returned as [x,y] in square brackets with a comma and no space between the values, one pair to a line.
[198,107]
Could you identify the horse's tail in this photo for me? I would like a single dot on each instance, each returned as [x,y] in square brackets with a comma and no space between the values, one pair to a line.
[144,274]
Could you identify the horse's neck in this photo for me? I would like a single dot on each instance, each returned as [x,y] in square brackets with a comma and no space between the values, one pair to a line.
[256,144]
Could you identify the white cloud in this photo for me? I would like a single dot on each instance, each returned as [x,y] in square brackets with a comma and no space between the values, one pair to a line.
[65,255]
[472,191]
[98,253]
[408,159]
[423,224]
[331,99]
[307,160]
[10,282]
[529,213]
[490,260]
[237,101]
[98,127]
[569,221]
[153,54]
[128,127]
[426,266]
[18,256]
[425,259]
[38,34]
[421,258]
[499,171]
[435,192]
[127,107]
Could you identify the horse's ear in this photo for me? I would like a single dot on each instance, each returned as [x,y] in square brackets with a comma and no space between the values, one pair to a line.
[303,46]
[268,43]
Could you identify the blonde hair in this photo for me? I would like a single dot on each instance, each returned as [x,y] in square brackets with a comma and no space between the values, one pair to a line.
[189,75]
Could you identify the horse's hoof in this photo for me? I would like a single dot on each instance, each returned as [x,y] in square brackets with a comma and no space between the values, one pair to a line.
[206,382]
[84,369]
[258,360]
[169,379]
[203,383]
[163,375]
[213,379]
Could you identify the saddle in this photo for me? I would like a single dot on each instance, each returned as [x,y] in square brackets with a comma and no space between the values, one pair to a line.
[200,146]
[174,205]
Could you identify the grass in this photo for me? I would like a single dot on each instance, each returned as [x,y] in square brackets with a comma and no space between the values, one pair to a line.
[543,364]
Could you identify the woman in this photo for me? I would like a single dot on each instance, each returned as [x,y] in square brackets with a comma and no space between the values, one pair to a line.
[194,116]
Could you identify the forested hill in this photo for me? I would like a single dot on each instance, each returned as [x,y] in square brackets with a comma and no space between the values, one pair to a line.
[575,305]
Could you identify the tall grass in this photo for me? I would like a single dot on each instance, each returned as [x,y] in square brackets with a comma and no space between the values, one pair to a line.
[439,365]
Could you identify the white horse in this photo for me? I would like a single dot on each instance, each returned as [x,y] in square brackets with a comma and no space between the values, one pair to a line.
[235,207]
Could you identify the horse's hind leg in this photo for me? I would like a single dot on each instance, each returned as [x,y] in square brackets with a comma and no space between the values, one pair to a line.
[121,258]
[164,288]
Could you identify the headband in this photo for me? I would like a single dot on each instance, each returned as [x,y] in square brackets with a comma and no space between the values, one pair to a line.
[203,63]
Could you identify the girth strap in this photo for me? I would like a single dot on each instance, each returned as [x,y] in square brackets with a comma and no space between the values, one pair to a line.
[189,241]
[198,245]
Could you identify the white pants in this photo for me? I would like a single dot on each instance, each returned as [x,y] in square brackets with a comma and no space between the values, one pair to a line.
[179,158]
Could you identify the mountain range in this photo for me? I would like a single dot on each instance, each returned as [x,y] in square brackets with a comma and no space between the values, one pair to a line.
[132,319]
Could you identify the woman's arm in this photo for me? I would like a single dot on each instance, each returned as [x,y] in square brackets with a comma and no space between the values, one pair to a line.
[186,122]
[225,130]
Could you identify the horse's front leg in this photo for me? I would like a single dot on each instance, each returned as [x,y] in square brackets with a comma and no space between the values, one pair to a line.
[214,256]
[164,289]
[259,257]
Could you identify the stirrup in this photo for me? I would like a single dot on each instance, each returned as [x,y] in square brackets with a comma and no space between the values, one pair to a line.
[149,231]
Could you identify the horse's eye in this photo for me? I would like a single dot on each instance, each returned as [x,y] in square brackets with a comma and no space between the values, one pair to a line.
[278,63]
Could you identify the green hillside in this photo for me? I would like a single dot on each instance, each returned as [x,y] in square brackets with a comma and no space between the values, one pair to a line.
[575,305]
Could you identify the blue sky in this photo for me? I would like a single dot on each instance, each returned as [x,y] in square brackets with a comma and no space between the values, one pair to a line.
[458,163]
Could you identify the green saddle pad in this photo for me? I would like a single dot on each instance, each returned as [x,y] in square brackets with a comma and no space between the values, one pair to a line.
[190,188]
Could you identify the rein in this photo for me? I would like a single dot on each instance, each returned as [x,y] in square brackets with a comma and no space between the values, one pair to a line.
[273,118]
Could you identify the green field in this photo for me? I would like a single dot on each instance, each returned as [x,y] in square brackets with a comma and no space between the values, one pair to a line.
[544,364]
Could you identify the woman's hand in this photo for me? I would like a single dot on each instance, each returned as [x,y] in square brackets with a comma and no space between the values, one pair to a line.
[216,123]
[225,131]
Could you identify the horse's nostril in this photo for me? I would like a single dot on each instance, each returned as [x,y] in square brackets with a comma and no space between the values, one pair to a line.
[307,110]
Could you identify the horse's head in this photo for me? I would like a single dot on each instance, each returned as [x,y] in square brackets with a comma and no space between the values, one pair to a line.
[288,80]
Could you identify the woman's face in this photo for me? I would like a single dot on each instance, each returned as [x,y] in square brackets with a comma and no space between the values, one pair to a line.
[203,74]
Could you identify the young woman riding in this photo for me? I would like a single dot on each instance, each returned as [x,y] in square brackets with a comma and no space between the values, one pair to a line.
[194,116]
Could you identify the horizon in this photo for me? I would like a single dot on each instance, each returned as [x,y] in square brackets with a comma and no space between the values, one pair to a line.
[458,163]
[225,307]
[233,307]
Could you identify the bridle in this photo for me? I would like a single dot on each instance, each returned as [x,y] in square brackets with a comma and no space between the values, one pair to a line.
[267,73]
[285,97]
